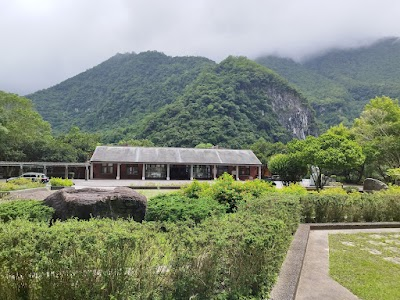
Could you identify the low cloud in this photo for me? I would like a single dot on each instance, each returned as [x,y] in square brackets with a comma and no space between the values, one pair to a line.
[46,41]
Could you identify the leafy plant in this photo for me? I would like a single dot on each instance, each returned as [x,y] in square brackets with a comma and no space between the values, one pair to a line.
[57,181]
[31,210]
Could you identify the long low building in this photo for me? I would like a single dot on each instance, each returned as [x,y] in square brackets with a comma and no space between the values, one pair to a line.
[112,162]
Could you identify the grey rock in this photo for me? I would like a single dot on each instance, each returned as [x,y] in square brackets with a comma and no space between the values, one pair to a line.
[122,202]
[371,184]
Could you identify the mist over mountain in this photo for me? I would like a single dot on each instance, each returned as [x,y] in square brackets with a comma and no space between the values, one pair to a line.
[338,83]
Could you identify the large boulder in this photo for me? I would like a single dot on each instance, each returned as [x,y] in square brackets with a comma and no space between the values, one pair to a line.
[122,202]
[371,184]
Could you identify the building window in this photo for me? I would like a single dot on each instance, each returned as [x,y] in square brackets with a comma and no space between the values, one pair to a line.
[244,170]
[202,172]
[156,171]
[132,170]
[107,168]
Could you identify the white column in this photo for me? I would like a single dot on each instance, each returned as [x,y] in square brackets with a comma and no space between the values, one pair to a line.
[168,169]
[91,170]
[87,172]
[259,172]
[66,172]
[144,172]
[237,172]
[118,171]
[21,169]
[215,171]
[191,172]
[44,170]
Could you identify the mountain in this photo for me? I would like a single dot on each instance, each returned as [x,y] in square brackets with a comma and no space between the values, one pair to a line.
[233,104]
[339,83]
[118,92]
[178,101]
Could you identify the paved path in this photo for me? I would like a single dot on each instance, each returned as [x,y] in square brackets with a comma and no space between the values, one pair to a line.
[315,283]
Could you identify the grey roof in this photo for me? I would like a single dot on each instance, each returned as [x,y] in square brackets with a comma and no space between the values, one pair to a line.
[174,156]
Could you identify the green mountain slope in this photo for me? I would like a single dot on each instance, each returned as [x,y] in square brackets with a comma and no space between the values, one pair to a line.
[233,104]
[118,92]
[340,82]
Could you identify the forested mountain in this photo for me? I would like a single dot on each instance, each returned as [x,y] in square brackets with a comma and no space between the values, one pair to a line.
[340,82]
[178,101]
[233,104]
[118,92]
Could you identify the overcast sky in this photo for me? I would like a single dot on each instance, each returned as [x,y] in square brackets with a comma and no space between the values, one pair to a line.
[44,42]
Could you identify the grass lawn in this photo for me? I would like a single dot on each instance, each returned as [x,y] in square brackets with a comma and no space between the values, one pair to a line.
[149,193]
[368,264]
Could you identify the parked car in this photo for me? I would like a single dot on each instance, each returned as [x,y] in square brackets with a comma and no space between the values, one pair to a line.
[33,176]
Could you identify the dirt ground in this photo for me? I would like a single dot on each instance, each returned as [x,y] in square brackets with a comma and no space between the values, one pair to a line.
[36,194]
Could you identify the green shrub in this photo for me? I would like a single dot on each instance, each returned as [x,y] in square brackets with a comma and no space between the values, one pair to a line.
[383,206]
[229,256]
[57,181]
[32,210]
[178,207]
[19,184]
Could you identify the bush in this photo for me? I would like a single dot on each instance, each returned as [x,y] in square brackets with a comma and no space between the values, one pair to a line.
[32,210]
[178,207]
[57,181]
[227,191]
[19,184]
[383,206]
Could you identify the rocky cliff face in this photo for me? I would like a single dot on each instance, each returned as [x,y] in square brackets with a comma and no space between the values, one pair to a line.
[292,112]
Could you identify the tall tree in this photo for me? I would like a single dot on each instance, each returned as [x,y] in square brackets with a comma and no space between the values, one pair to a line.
[378,131]
[23,133]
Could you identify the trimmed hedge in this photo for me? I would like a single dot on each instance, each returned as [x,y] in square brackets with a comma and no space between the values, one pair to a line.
[353,207]
[31,210]
[177,207]
[224,257]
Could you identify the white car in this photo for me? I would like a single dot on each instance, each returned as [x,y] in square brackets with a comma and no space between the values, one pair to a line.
[33,176]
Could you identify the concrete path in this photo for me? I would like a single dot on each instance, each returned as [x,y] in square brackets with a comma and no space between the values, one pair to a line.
[315,283]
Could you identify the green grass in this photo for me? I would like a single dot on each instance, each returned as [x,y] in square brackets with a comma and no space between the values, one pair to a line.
[367,264]
[152,193]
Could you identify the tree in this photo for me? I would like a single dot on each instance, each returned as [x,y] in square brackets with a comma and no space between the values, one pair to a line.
[23,133]
[264,150]
[290,167]
[81,143]
[378,132]
[333,153]
[136,143]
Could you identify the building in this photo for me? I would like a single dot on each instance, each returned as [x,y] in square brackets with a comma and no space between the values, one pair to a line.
[112,162]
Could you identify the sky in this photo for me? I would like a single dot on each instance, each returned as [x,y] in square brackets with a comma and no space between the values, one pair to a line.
[44,42]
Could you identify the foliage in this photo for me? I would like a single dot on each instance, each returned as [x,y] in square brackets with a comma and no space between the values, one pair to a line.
[340,82]
[136,143]
[57,181]
[23,133]
[378,131]
[177,207]
[115,97]
[20,184]
[353,207]
[362,263]
[204,146]
[264,150]
[290,167]
[394,173]
[227,191]
[31,210]
[234,256]
[230,105]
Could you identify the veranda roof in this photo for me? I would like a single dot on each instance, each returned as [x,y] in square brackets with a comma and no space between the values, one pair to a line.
[157,155]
